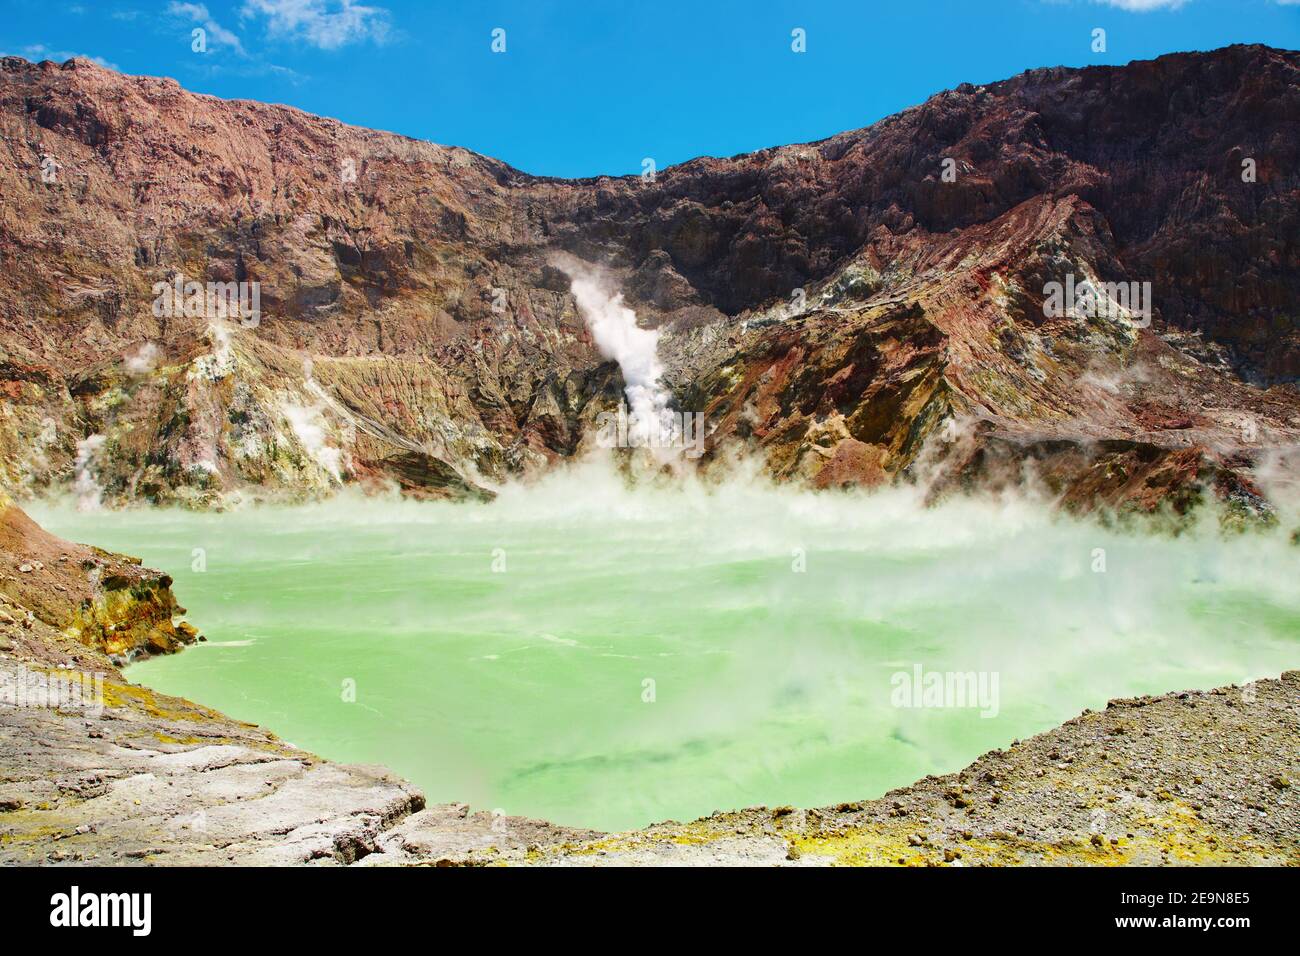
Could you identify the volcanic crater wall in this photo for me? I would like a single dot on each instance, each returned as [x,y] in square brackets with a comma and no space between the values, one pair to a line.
[840,307]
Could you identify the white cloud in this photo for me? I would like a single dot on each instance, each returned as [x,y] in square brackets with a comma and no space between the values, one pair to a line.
[39,51]
[198,13]
[327,24]
[1143,6]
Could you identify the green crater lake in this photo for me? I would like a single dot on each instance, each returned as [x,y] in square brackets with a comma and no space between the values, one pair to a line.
[604,656]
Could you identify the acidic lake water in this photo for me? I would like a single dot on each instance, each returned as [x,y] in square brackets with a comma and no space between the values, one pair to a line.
[609,657]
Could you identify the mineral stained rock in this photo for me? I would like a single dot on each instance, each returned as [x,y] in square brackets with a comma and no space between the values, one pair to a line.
[80,595]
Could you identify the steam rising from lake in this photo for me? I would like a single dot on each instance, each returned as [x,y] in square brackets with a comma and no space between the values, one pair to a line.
[501,652]
[636,350]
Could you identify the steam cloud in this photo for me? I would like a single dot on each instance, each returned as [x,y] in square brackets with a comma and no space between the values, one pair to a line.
[86,485]
[619,338]
[308,426]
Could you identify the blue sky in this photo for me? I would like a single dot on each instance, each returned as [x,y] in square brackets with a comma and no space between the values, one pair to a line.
[594,86]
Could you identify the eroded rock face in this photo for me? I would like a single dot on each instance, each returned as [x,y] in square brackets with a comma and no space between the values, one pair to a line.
[839,307]
[106,602]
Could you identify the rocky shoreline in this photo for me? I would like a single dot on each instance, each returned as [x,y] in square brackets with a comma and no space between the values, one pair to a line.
[1183,779]
[148,779]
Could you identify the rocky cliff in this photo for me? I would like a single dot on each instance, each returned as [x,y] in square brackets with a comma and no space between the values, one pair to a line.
[866,308]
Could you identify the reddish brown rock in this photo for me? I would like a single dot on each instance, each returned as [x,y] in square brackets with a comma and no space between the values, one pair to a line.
[839,289]
[107,602]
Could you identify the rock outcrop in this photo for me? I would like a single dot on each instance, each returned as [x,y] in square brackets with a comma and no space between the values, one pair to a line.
[84,595]
[866,308]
